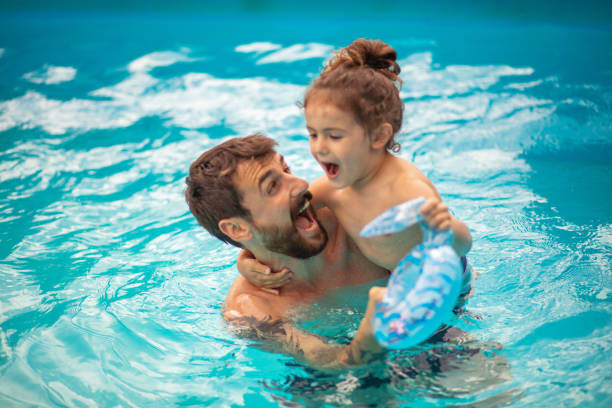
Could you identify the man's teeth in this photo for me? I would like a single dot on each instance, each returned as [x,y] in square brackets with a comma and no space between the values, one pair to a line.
[304,207]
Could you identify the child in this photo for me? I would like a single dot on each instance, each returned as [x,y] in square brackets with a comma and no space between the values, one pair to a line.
[353,111]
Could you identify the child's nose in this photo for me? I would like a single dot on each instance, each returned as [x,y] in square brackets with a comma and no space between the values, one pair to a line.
[320,147]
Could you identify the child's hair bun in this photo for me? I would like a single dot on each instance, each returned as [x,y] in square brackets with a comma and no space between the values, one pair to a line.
[364,80]
[367,53]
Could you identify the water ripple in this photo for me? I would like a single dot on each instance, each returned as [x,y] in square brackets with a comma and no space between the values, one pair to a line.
[112,293]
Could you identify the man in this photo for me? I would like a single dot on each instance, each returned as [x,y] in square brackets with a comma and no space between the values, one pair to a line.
[243,193]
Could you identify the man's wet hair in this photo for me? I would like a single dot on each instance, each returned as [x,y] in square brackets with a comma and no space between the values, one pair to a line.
[211,193]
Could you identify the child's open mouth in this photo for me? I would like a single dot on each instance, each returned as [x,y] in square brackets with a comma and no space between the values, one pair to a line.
[331,169]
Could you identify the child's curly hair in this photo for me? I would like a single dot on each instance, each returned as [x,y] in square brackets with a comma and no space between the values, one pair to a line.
[364,78]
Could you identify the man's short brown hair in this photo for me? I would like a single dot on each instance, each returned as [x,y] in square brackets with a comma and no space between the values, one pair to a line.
[210,193]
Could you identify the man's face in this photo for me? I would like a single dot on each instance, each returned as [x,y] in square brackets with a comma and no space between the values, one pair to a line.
[280,205]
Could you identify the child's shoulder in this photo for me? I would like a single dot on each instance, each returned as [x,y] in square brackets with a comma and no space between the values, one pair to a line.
[407,177]
[321,191]
[404,166]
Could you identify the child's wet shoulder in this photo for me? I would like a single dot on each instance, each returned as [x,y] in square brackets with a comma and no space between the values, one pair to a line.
[321,191]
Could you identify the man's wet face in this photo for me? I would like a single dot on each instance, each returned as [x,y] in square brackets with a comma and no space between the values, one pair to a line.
[288,241]
[280,205]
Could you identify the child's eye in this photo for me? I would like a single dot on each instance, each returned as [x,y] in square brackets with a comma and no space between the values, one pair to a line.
[335,137]
[312,135]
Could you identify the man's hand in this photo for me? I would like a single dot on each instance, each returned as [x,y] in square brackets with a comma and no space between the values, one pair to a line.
[261,275]
[436,214]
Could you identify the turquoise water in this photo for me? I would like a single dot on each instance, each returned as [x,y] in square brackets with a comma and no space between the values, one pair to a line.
[111,293]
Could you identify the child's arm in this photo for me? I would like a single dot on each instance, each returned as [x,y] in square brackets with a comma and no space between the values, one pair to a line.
[438,216]
[321,190]
[261,275]
[462,238]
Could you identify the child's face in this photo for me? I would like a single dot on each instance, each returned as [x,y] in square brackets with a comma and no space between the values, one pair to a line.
[337,142]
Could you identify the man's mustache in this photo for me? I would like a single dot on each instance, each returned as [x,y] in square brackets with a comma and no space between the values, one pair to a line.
[299,202]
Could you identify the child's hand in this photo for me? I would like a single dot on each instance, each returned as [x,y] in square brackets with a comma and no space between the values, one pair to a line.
[261,275]
[436,214]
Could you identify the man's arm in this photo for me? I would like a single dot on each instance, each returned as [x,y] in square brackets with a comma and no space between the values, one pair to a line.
[250,315]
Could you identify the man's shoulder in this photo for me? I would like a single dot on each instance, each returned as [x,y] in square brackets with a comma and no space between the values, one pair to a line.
[247,300]
[250,312]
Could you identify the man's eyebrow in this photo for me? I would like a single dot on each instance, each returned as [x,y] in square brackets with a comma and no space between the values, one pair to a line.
[269,173]
[263,178]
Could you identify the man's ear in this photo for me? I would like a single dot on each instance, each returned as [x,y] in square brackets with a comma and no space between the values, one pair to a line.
[381,136]
[236,228]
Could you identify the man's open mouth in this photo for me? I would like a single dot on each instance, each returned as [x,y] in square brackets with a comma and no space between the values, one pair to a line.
[303,219]
[331,169]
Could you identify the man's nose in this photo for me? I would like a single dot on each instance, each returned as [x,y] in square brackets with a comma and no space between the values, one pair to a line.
[298,186]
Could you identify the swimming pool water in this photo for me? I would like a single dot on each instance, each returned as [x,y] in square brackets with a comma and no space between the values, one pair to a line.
[111,293]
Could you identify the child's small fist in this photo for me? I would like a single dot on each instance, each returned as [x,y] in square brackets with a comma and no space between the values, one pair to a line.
[436,214]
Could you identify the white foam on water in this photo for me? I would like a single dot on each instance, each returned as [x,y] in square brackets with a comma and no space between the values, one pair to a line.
[421,77]
[258,47]
[480,163]
[34,110]
[51,75]
[486,111]
[192,101]
[198,100]
[521,86]
[158,59]
[298,52]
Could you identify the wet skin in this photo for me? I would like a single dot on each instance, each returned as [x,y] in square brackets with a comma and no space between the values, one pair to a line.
[275,198]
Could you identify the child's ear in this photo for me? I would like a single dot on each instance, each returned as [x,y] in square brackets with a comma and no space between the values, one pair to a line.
[236,228]
[382,135]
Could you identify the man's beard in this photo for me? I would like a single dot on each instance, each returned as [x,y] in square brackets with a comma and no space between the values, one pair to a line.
[289,242]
